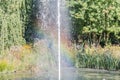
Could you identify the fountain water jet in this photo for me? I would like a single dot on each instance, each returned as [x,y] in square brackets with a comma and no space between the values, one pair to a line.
[59,38]
[53,30]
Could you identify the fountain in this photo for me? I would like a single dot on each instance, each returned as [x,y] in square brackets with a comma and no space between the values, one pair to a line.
[55,47]
[46,23]
[52,43]
[53,22]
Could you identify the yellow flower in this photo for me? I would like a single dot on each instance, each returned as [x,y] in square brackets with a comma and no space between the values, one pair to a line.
[26,46]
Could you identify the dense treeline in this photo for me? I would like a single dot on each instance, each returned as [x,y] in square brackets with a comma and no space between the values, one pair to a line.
[95,21]
[14,17]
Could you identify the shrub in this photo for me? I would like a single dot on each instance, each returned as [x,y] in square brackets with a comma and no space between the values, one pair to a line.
[5,66]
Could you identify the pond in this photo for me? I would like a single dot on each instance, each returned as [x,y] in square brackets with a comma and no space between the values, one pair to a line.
[66,74]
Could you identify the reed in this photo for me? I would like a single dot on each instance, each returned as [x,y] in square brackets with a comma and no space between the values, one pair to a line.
[98,59]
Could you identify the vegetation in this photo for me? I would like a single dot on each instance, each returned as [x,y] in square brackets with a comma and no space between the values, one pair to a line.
[13,20]
[95,27]
[95,21]
[99,58]
[95,32]
[19,58]
[5,66]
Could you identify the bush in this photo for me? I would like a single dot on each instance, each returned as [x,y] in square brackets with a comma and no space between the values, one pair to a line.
[5,66]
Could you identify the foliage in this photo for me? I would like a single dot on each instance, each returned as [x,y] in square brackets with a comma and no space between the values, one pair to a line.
[96,21]
[99,58]
[23,56]
[13,19]
[5,66]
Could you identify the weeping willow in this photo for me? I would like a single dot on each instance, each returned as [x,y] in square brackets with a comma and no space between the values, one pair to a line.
[13,20]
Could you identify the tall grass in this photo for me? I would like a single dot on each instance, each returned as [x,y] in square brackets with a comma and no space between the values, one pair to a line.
[98,59]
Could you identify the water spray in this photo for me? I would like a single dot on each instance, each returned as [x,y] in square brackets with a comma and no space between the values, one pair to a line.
[59,56]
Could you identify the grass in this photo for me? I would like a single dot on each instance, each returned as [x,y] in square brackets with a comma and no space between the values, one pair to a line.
[18,58]
[99,58]
[24,57]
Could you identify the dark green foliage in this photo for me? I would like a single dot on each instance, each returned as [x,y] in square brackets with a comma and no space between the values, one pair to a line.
[29,30]
[96,21]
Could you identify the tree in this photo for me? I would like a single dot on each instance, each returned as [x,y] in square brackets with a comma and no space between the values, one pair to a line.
[95,21]
[13,20]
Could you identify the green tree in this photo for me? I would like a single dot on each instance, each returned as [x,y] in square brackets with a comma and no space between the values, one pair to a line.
[95,21]
[13,19]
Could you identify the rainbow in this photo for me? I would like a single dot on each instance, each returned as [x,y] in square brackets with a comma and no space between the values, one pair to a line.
[67,50]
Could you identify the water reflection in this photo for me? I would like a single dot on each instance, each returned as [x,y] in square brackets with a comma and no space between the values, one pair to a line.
[66,74]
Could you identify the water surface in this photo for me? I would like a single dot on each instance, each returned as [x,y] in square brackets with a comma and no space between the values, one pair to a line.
[66,74]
